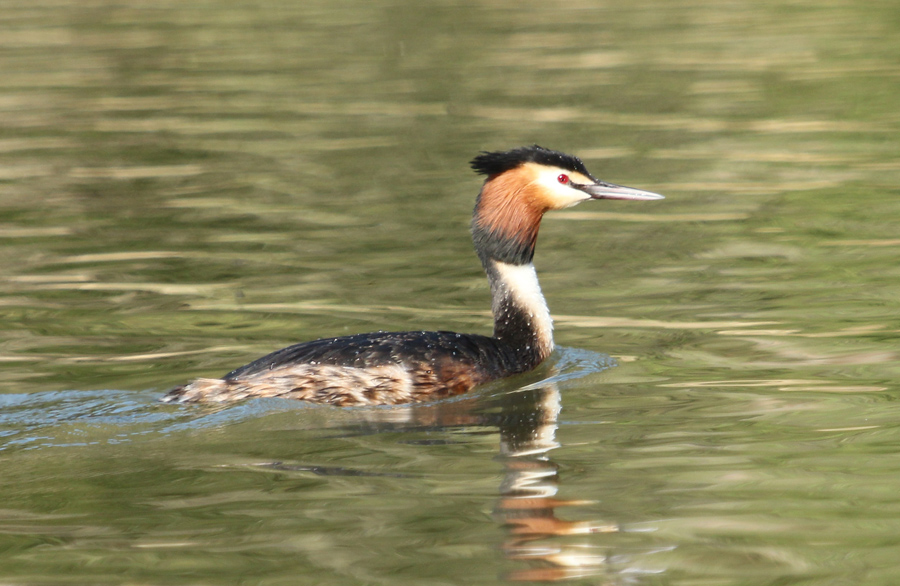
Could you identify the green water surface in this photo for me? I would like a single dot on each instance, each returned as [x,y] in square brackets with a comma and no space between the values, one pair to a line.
[185,186]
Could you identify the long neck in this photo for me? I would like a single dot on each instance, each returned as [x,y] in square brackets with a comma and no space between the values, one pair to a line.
[504,229]
[521,317]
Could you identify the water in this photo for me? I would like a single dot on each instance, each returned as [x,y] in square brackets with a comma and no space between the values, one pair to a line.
[187,186]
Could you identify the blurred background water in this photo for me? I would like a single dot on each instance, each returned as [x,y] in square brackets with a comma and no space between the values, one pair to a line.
[185,186]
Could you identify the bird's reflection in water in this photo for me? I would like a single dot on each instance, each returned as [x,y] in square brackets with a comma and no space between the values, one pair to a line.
[528,503]
[539,541]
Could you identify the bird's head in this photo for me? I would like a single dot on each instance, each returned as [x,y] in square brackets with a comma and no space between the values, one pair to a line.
[521,185]
[546,179]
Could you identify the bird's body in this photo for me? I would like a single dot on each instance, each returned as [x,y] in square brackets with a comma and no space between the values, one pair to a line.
[389,368]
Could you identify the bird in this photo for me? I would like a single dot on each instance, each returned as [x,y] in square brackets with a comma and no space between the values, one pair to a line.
[394,368]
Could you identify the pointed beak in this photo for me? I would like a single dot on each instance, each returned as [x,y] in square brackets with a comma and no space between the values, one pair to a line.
[601,190]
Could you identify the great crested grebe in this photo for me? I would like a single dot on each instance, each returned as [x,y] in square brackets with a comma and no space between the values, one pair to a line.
[390,368]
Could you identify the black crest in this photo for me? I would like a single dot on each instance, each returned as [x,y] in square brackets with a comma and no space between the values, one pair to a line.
[494,163]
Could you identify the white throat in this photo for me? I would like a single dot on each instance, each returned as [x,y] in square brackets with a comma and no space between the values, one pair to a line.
[519,284]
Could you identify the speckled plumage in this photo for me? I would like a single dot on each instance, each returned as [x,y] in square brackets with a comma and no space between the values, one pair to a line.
[382,368]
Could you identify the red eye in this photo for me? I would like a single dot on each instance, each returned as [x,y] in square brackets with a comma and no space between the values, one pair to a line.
[563,178]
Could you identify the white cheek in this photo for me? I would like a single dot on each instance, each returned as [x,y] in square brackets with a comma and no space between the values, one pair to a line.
[561,195]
